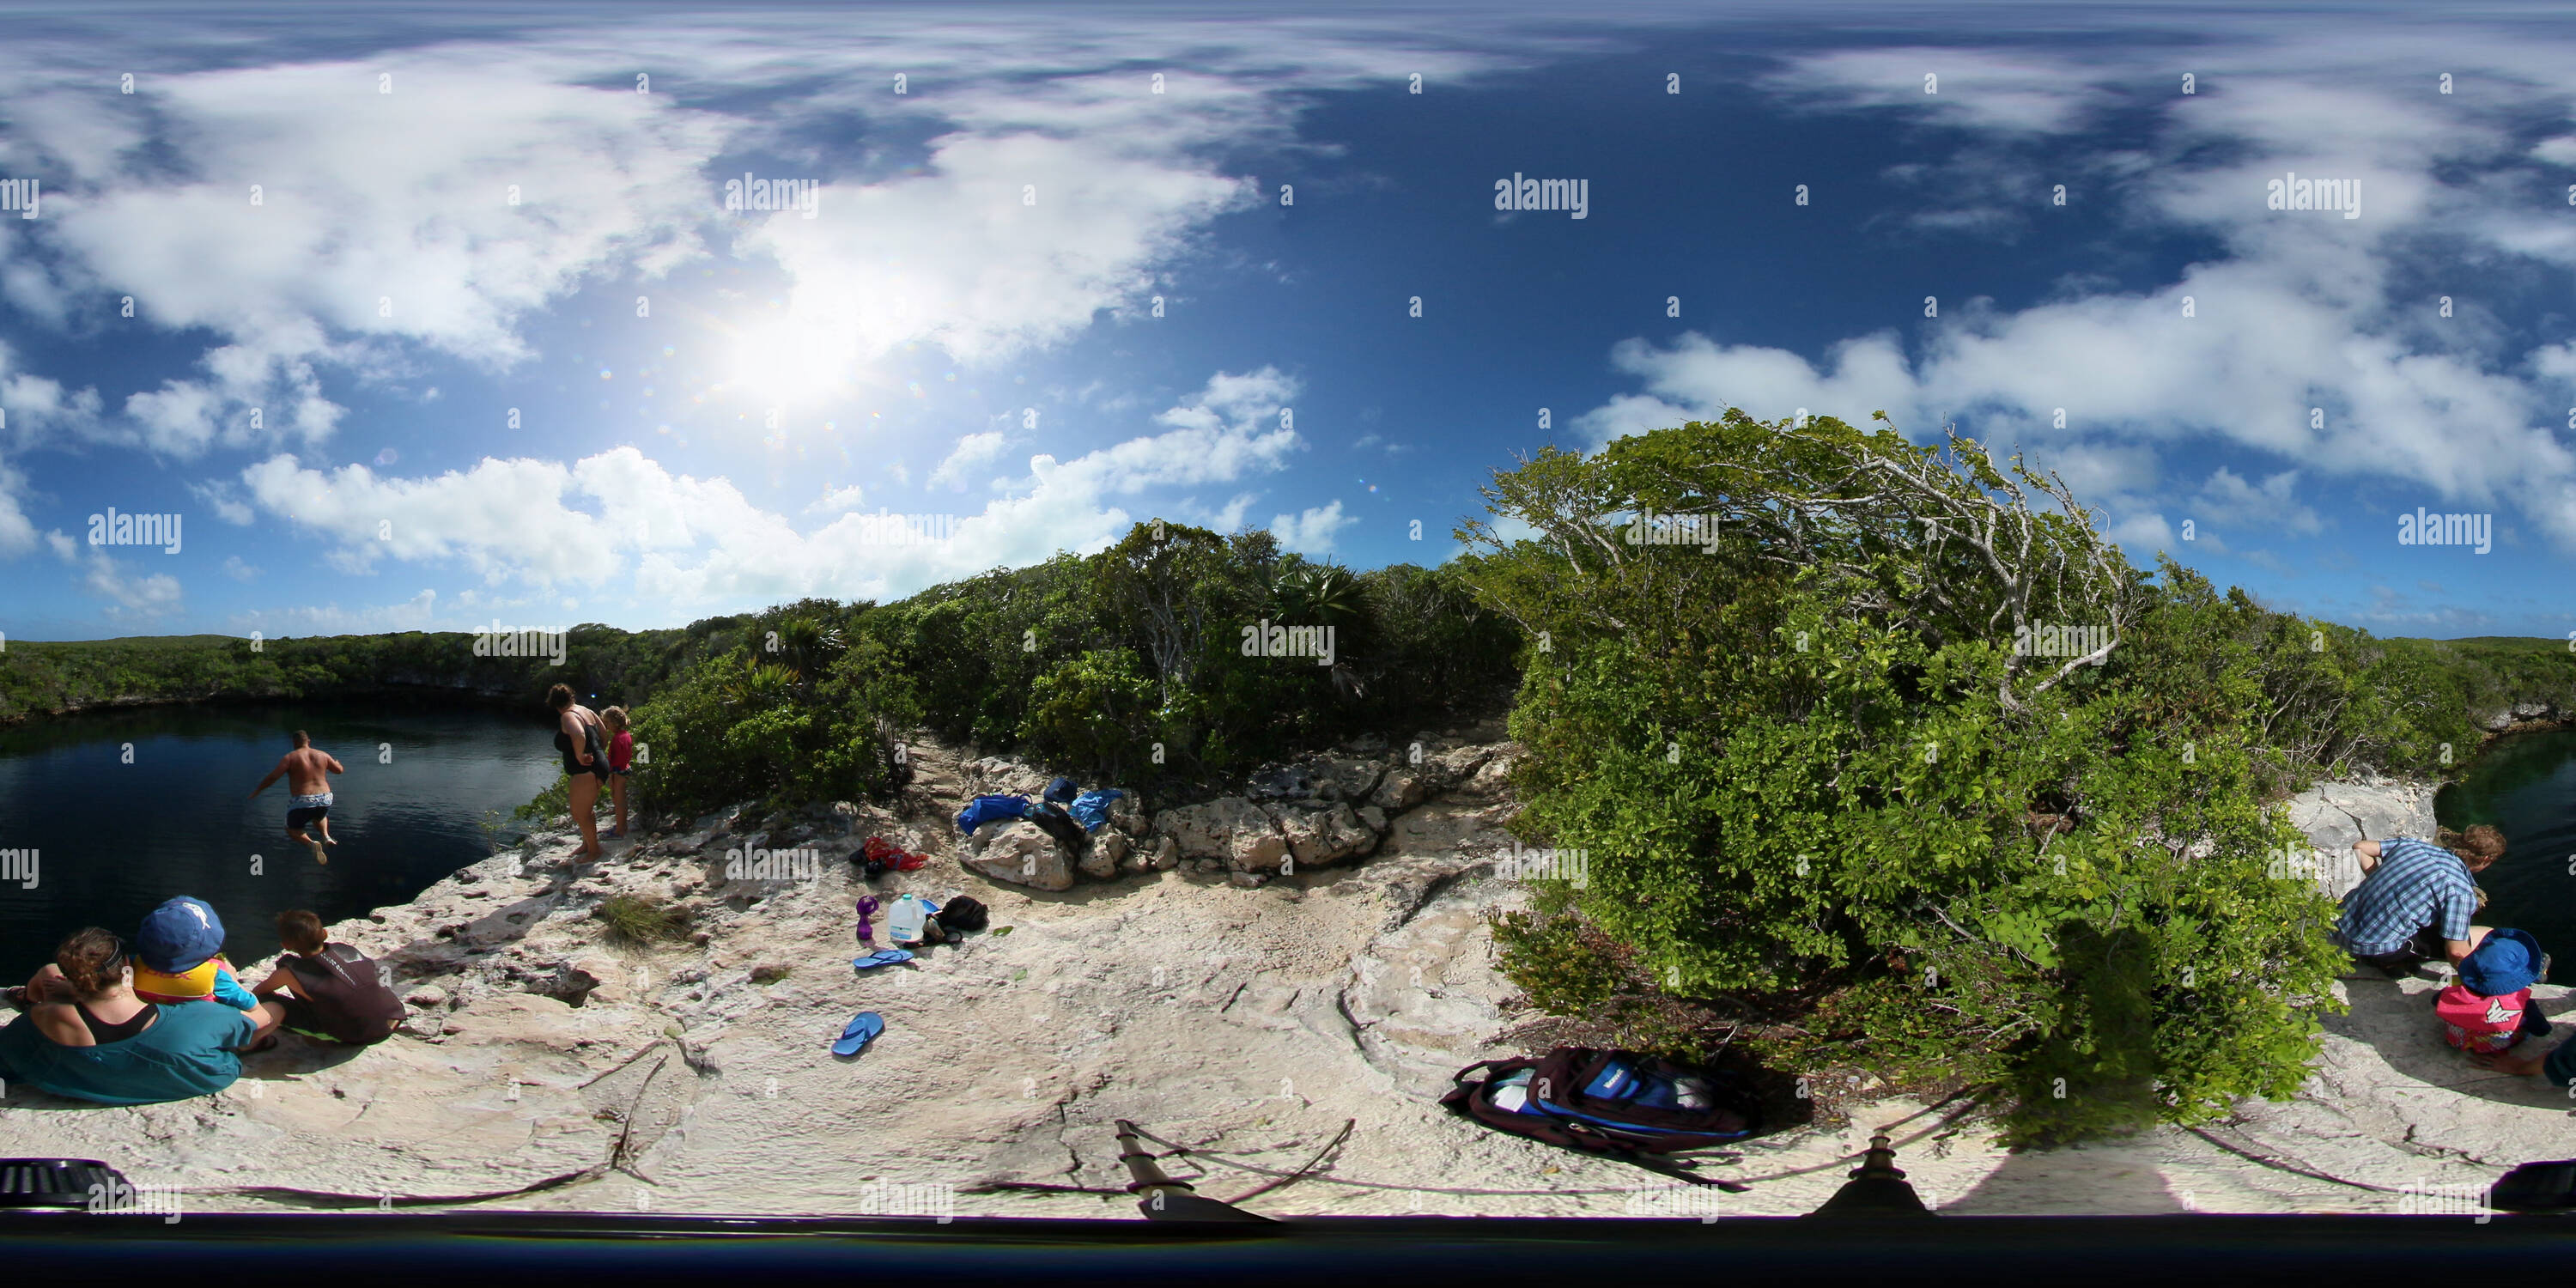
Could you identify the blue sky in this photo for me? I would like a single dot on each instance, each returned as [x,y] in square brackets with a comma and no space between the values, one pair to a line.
[320,382]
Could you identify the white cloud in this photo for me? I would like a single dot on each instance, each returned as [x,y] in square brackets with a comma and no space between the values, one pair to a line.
[2228,498]
[237,570]
[973,451]
[419,613]
[619,516]
[17,531]
[1311,531]
[130,597]
[227,505]
[2295,313]
[2141,536]
[1971,88]
[839,501]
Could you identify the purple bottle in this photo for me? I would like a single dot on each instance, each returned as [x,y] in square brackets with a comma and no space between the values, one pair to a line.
[867,909]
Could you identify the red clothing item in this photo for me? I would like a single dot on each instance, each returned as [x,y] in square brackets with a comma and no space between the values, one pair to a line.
[621,751]
[2475,1023]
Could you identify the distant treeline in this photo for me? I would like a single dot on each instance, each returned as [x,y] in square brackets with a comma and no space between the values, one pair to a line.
[1151,661]
[1156,659]
[40,679]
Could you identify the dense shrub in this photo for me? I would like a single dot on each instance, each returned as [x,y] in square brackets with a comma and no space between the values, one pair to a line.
[1804,760]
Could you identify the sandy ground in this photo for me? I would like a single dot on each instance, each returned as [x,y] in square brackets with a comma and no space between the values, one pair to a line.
[1307,1024]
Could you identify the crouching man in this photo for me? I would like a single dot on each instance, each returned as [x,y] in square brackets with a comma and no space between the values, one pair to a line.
[2415,901]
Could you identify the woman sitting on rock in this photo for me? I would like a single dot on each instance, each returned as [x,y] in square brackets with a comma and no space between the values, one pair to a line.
[86,1035]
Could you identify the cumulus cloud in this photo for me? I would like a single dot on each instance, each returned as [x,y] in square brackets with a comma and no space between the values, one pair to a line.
[2229,498]
[418,613]
[1311,531]
[130,597]
[2297,340]
[620,517]
[973,451]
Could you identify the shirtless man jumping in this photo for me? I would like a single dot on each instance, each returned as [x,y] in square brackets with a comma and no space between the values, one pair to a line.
[304,768]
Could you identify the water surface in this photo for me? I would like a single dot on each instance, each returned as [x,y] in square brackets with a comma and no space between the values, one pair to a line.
[116,838]
[2526,785]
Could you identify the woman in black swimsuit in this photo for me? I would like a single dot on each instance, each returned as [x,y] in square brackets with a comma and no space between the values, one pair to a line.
[82,998]
[583,740]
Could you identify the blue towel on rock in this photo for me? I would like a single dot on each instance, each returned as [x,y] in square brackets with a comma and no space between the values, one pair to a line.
[1091,809]
[990,809]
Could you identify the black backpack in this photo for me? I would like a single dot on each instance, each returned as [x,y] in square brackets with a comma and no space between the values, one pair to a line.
[1060,825]
[1616,1103]
[962,913]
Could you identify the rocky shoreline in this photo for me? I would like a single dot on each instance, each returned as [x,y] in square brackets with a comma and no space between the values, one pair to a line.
[1261,976]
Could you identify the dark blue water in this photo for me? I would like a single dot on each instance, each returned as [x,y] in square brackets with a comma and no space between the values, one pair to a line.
[2526,785]
[114,839]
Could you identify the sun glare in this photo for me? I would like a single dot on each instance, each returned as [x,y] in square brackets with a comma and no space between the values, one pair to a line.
[786,362]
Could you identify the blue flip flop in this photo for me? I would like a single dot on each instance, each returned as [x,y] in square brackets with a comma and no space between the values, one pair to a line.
[863,1029]
[881,957]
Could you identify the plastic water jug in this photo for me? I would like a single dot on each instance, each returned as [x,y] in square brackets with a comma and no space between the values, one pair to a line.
[904,924]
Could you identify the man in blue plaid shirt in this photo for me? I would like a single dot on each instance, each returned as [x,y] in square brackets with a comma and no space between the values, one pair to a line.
[2415,900]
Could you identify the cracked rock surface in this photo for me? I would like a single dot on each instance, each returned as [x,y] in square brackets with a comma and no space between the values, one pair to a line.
[546,1066]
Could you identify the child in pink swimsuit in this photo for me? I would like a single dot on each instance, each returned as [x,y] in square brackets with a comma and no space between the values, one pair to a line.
[621,758]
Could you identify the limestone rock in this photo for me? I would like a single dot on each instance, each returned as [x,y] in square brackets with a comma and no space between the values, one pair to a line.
[1100,859]
[1323,837]
[1230,829]
[1345,778]
[2531,710]
[1404,787]
[2498,722]
[2334,815]
[1020,853]
[1128,814]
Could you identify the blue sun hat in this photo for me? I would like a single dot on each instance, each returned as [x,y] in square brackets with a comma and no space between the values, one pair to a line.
[2507,961]
[179,934]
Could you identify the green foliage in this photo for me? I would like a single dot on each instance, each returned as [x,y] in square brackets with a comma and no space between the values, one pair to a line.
[599,662]
[545,807]
[1806,760]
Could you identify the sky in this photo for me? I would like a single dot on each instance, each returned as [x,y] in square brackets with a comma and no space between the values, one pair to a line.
[439,318]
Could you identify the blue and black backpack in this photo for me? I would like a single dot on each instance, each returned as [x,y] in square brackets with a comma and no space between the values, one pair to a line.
[1604,1102]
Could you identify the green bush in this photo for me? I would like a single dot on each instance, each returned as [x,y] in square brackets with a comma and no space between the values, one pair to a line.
[1805,760]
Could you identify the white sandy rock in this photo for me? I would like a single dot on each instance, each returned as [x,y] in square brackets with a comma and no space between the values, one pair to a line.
[1322,836]
[2334,815]
[1021,853]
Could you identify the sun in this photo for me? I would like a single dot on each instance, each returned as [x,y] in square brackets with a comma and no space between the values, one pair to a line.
[787,361]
